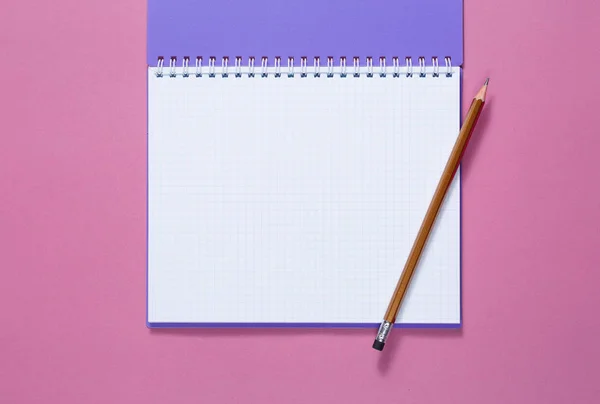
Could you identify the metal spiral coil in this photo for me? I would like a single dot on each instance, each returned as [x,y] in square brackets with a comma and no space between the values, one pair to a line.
[330,70]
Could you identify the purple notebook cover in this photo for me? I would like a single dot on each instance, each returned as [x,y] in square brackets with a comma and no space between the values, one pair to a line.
[311,28]
[403,28]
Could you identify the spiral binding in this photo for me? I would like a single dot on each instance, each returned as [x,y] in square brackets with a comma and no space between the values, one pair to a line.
[329,70]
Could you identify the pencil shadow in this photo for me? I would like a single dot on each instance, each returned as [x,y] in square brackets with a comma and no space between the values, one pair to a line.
[477,137]
[394,343]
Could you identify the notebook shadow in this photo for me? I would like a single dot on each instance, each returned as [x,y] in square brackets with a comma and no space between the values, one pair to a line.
[393,345]
[387,358]
[218,332]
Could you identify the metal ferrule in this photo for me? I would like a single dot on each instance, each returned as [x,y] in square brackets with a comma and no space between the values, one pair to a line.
[384,331]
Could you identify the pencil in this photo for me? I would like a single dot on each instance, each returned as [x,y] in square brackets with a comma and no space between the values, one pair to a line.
[446,179]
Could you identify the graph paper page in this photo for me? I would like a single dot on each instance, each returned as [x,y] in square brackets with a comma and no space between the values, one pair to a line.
[297,200]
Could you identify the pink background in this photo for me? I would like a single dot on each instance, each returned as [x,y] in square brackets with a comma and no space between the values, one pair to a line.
[72,222]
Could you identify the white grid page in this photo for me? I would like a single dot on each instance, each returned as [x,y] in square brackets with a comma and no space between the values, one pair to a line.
[297,200]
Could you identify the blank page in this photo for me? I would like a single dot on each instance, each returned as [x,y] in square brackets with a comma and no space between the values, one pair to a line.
[296,200]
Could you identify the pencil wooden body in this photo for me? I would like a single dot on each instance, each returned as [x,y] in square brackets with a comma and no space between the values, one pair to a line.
[415,253]
[434,207]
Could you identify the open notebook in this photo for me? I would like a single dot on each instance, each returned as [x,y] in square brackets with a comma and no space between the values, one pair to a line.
[287,190]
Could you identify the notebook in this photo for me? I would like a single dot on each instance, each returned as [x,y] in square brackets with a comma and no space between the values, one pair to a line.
[293,150]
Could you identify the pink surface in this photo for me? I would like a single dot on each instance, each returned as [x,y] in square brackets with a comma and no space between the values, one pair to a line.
[72,223]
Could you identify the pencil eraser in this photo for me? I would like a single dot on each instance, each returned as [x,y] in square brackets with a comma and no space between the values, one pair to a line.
[378,345]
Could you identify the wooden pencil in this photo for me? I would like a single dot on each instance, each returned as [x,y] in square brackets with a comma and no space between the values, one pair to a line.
[446,179]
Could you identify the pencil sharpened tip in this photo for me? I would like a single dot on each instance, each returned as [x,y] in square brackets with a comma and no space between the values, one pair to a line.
[481,94]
